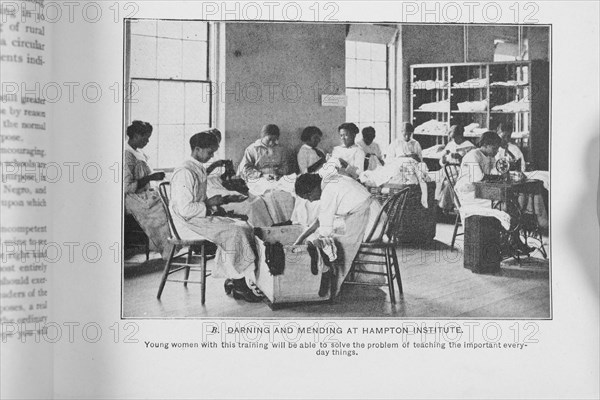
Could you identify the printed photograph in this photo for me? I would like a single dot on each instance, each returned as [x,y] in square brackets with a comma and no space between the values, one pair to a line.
[332,170]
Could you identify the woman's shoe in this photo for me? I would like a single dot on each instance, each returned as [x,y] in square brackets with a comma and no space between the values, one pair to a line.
[247,295]
[228,286]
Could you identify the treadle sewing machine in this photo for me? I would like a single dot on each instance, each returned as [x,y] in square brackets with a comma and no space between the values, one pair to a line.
[506,192]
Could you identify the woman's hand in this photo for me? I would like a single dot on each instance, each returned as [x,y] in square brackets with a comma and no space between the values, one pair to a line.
[157,176]
[234,198]
[215,201]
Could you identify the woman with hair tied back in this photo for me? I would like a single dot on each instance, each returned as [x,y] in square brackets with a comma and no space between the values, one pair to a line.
[310,158]
[141,200]
[475,165]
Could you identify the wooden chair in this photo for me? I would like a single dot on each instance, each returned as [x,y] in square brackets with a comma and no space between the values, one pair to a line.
[387,224]
[195,245]
[134,235]
[451,171]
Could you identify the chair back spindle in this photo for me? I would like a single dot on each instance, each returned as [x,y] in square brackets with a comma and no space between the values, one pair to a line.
[164,190]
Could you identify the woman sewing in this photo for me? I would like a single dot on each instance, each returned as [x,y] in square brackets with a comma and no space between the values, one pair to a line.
[350,157]
[221,181]
[265,157]
[475,165]
[310,157]
[458,146]
[141,200]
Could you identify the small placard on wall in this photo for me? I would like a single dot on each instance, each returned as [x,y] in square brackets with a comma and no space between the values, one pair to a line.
[333,100]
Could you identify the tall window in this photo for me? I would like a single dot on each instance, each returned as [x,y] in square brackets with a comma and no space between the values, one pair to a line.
[367,87]
[169,85]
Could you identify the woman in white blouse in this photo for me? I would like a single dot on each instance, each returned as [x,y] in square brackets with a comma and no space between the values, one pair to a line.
[141,200]
[310,158]
[350,156]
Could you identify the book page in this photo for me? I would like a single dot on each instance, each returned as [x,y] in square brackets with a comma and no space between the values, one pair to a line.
[26,239]
[116,340]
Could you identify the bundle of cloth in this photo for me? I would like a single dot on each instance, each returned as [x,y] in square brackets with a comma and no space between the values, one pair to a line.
[399,171]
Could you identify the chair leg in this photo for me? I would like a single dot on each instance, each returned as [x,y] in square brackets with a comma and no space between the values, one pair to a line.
[390,279]
[147,248]
[456,223]
[165,274]
[203,275]
[397,270]
[187,269]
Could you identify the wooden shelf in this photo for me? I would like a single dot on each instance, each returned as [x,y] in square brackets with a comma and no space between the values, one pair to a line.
[530,74]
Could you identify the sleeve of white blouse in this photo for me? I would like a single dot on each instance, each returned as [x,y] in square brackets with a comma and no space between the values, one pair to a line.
[129,182]
[303,160]
[182,196]
[419,151]
[328,206]
[247,168]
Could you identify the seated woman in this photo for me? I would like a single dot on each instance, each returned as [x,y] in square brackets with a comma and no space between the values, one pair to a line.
[475,165]
[350,157]
[265,157]
[457,146]
[371,149]
[141,200]
[406,146]
[310,158]
[192,208]
[254,207]
[534,204]
[454,152]
[347,213]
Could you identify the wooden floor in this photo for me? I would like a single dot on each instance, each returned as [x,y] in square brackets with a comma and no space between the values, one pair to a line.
[435,286]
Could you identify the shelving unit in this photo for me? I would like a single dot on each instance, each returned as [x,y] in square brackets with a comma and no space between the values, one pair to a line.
[488,94]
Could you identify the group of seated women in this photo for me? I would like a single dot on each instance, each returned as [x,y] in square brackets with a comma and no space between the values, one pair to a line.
[342,208]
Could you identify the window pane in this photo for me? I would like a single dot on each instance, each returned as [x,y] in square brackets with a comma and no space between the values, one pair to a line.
[352,106]
[363,50]
[194,60]
[382,106]
[382,131]
[366,106]
[170,110]
[169,29]
[194,30]
[143,27]
[143,57]
[363,73]
[378,52]
[351,73]
[350,49]
[171,146]
[169,59]
[144,101]
[197,103]
[378,73]
[151,149]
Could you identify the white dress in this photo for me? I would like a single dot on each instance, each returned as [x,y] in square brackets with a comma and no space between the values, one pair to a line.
[236,247]
[354,156]
[307,156]
[347,212]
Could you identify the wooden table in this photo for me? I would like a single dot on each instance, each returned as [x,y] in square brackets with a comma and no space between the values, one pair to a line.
[505,196]
[506,191]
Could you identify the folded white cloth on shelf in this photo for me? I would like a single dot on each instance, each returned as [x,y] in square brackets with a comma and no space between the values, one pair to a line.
[471,83]
[473,105]
[509,83]
[513,106]
[437,106]
[430,84]
[432,127]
